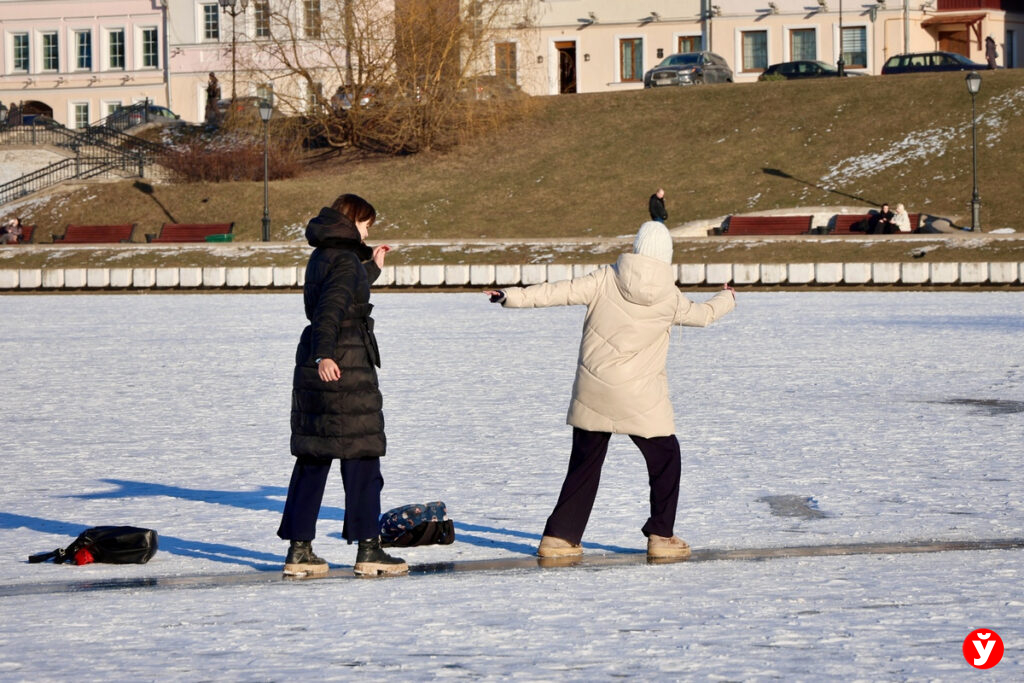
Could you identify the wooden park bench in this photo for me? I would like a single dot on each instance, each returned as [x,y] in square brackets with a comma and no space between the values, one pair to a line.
[768,225]
[844,222]
[190,232]
[79,234]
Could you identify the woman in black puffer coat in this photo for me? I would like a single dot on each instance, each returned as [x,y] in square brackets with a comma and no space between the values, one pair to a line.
[336,401]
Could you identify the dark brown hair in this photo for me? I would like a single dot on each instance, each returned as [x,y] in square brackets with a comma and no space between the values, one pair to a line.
[355,208]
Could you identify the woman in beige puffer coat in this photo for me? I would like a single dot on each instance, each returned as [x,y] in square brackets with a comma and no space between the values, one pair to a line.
[621,386]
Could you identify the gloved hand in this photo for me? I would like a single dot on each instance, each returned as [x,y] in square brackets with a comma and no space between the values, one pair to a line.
[496,296]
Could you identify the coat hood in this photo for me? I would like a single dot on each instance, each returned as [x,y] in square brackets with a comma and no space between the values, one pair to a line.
[644,280]
[332,229]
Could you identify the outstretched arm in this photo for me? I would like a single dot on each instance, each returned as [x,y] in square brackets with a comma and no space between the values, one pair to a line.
[692,314]
[573,292]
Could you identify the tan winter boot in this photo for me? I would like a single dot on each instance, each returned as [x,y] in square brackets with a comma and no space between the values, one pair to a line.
[660,547]
[302,561]
[371,560]
[556,547]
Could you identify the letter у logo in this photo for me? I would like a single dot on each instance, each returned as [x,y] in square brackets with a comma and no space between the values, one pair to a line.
[983,648]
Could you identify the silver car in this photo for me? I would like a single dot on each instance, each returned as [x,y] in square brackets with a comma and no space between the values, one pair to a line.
[689,68]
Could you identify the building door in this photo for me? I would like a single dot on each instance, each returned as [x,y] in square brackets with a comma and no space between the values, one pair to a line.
[955,41]
[1010,50]
[566,66]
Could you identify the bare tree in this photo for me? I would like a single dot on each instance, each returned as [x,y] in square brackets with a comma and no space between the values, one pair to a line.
[392,75]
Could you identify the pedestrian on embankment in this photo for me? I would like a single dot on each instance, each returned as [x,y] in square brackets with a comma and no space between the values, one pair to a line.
[656,206]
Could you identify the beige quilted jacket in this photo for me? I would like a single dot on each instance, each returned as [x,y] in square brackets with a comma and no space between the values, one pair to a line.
[621,385]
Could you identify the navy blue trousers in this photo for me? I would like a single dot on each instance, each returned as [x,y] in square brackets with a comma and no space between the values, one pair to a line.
[363,483]
[576,501]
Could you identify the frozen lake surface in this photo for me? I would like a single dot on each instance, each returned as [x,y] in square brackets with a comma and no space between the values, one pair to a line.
[804,419]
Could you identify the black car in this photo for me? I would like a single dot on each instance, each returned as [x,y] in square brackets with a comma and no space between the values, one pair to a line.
[689,68]
[929,61]
[138,114]
[800,69]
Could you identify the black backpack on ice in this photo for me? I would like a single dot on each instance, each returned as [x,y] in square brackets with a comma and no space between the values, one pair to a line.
[417,524]
[109,544]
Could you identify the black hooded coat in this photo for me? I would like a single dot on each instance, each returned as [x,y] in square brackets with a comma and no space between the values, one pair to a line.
[341,419]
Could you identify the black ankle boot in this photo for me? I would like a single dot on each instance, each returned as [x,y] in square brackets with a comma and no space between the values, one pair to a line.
[372,560]
[302,561]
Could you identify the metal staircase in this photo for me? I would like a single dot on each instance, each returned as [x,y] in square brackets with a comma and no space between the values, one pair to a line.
[99,151]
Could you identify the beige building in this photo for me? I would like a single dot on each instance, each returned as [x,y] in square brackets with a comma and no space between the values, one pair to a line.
[607,45]
[76,61]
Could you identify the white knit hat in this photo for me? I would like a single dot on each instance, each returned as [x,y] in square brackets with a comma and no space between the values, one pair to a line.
[654,240]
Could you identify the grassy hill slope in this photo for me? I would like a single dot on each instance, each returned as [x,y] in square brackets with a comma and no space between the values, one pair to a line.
[584,165]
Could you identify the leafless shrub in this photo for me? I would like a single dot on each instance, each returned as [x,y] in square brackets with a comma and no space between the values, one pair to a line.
[230,156]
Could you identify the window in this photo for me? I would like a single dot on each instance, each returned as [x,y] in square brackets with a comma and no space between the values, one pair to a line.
[20,62]
[631,59]
[150,48]
[81,115]
[312,18]
[83,50]
[315,97]
[803,45]
[116,40]
[755,50]
[855,52]
[51,52]
[261,18]
[211,23]
[111,107]
[689,44]
[505,61]
[265,91]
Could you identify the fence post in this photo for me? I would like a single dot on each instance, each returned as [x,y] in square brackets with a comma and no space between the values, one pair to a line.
[142,166]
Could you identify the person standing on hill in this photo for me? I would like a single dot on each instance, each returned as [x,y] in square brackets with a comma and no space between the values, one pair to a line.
[212,97]
[621,385]
[656,206]
[336,401]
[991,55]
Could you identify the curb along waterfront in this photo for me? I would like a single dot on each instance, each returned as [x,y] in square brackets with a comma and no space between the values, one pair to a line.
[778,275]
[874,262]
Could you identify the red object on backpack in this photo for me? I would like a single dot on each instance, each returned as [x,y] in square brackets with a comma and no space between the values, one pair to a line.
[83,556]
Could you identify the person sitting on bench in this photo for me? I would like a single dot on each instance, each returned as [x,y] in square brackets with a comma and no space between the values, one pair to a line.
[881,222]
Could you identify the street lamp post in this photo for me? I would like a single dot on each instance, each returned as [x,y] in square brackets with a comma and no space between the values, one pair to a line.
[233,8]
[839,62]
[266,111]
[973,86]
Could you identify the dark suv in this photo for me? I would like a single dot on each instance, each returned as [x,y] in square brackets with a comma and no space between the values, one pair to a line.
[929,61]
[689,68]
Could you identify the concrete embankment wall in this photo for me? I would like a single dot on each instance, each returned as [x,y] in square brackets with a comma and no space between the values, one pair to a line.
[895,274]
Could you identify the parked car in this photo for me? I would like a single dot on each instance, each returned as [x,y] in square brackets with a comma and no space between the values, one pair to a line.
[689,68]
[929,61]
[138,114]
[801,69]
[492,88]
[241,105]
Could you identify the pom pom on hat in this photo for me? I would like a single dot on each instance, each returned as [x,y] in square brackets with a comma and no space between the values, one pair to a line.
[653,240]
